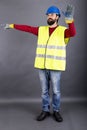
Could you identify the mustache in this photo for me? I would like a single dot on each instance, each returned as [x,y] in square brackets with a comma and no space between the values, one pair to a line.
[50,19]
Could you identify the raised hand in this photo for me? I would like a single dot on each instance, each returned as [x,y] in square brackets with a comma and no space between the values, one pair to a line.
[69,13]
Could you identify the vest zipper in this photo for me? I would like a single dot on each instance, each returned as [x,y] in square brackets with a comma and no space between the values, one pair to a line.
[45,54]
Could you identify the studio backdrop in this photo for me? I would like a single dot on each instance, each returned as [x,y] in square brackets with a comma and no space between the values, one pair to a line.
[18,77]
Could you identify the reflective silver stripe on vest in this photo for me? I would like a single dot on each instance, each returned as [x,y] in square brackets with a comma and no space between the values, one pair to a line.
[41,46]
[51,57]
[52,47]
[56,47]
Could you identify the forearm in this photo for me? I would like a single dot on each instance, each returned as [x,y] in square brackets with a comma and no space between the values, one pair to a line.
[26,28]
[71,31]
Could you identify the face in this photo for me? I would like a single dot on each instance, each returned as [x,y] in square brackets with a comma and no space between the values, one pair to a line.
[52,18]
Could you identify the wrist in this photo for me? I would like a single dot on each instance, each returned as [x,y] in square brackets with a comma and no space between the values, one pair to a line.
[11,25]
[69,20]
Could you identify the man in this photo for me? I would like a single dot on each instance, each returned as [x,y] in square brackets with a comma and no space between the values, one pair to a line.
[51,56]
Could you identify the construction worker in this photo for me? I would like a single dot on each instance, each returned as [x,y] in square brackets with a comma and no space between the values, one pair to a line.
[51,55]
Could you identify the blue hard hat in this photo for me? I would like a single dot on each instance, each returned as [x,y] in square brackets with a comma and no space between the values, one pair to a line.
[53,9]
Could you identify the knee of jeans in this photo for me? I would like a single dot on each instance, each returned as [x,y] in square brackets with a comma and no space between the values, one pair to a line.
[56,92]
[56,80]
[44,92]
[45,95]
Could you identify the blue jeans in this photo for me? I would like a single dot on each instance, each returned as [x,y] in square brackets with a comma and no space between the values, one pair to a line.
[45,77]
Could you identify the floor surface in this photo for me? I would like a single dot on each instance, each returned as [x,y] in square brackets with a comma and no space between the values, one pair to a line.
[22,116]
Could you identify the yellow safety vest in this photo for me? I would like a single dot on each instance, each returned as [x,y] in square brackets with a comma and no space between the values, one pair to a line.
[51,50]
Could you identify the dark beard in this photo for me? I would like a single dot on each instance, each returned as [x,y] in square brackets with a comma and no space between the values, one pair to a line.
[50,21]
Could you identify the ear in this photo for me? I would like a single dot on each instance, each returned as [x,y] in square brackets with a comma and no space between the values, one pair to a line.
[57,17]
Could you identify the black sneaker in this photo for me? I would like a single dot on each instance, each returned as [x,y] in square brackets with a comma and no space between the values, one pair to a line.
[57,116]
[43,115]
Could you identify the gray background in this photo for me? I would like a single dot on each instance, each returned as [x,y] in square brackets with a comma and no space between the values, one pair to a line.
[18,78]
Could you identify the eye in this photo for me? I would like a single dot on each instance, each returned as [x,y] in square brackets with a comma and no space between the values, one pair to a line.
[52,14]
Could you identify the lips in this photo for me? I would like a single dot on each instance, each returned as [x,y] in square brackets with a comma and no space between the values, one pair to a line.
[50,19]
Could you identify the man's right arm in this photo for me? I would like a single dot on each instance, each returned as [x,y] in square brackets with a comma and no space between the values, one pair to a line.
[25,28]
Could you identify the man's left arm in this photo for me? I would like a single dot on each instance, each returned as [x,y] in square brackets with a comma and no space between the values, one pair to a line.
[69,13]
[70,31]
